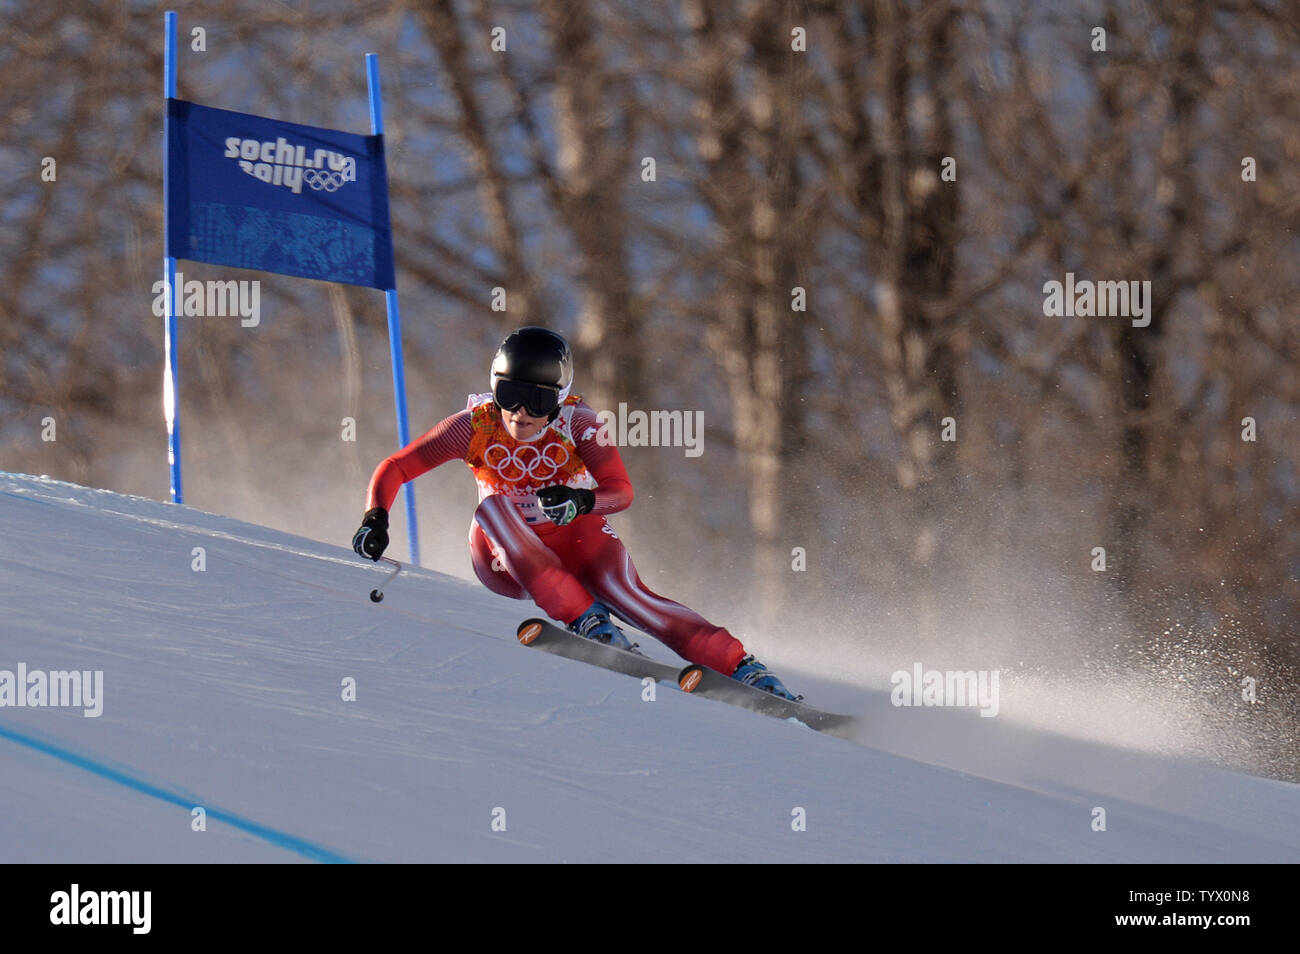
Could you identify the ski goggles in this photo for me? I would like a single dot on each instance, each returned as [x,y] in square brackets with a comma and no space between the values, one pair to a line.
[539,400]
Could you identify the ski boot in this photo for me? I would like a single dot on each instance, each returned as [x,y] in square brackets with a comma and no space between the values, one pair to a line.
[596,625]
[753,673]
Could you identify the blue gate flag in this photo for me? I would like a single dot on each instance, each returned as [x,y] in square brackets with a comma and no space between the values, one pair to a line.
[279,197]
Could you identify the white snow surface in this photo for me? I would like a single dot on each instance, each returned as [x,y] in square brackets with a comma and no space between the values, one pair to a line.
[223,690]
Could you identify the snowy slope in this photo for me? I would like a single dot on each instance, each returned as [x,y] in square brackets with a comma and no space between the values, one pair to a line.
[222,689]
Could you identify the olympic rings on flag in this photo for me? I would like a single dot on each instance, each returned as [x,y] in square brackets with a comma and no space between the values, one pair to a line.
[320,179]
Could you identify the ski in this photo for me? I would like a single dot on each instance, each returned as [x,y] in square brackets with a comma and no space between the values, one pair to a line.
[696,679]
[546,636]
[711,684]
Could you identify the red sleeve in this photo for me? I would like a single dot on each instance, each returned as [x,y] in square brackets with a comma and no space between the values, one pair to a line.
[613,487]
[448,440]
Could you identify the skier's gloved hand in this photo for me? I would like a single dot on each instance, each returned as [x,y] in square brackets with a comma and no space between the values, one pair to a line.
[371,540]
[562,504]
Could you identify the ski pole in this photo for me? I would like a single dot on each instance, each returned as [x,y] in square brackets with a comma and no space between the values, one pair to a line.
[377,594]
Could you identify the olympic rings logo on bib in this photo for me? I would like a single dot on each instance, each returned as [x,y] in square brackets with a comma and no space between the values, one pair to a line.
[526,461]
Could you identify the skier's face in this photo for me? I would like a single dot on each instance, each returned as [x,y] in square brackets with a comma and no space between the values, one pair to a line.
[522,425]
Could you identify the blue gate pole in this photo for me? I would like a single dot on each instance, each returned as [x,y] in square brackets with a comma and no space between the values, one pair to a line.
[171,385]
[394,324]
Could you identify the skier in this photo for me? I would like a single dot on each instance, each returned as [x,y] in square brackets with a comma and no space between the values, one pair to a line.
[546,483]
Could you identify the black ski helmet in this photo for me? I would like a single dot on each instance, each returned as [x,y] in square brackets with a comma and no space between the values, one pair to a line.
[533,368]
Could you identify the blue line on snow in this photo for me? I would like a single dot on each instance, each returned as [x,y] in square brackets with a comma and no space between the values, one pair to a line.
[36,500]
[278,838]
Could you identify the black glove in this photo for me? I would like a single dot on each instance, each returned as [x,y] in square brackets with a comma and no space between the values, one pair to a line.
[562,504]
[371,540]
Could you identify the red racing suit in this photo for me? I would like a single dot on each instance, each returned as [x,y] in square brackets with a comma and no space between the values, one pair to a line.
[517,552]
